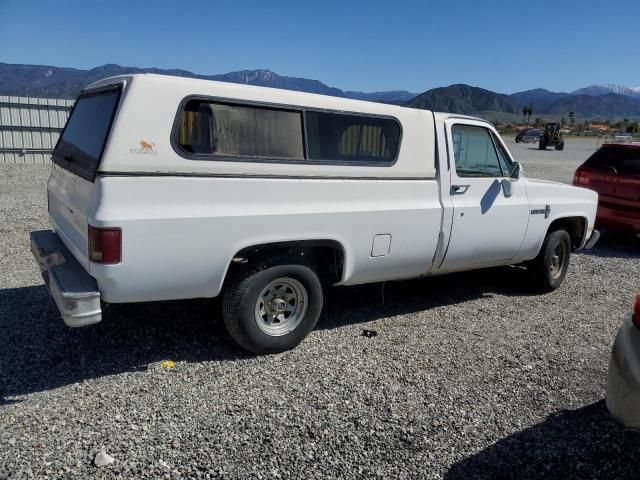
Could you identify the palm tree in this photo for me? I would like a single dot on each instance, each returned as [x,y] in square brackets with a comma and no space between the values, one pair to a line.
[572,119]
[526,111]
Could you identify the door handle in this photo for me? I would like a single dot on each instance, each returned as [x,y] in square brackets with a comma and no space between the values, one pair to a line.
[459,189]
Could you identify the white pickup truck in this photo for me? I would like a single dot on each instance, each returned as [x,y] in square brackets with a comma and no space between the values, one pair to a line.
[170,188]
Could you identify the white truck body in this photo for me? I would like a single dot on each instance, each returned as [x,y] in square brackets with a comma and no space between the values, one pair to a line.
[185,217]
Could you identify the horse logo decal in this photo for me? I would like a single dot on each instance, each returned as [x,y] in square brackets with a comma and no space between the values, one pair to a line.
[146,147]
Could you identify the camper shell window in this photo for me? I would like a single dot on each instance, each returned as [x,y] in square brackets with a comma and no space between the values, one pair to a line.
[239,130]
[218,130]
[352,138]
[85,135]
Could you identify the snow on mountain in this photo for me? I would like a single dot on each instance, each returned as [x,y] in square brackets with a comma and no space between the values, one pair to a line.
[597,90]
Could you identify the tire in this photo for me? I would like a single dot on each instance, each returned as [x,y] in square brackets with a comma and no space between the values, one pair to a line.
[256,303]
[542,145]
[548,269]
[560,145]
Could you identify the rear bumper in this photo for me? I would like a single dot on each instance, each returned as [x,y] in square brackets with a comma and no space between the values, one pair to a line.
[618,218]
[623,378]
[73,289]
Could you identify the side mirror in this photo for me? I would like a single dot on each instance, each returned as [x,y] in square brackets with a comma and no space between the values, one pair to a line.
[515,171]
[507,187]
[514,174]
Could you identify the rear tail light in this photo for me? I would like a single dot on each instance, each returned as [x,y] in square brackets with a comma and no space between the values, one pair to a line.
[636,312]
[105,245]
[581,178]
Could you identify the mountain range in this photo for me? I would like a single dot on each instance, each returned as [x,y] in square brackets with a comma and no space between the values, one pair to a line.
[56,82]
[480,102]
[595,101]
[464,99]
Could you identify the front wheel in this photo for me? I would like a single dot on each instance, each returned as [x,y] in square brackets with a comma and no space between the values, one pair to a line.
[549,268]
[273,309]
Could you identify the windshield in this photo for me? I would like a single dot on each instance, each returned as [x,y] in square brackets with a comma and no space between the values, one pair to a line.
[84,137]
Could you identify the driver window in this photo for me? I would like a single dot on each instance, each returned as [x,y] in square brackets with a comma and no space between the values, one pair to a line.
[474,153]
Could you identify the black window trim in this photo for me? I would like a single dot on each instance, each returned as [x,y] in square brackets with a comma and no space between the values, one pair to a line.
[278,160]
[497,144]
[491,135]
[59,159]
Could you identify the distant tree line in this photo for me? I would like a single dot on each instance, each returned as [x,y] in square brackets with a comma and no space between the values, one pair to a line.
[622,126]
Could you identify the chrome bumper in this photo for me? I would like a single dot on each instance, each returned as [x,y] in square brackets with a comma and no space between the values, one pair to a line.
[73,289]
[595,236]
[623,378]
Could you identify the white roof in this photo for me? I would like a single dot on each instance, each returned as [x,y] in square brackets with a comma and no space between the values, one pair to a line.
[293,97]
[289,97]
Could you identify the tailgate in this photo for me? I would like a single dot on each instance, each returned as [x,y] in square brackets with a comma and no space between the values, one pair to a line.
[616,186]
[70,199]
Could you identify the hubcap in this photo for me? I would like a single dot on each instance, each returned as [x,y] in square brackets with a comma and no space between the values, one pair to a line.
[557,260]
[281,306]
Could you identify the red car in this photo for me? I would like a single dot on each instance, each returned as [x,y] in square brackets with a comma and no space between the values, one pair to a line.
[614,172]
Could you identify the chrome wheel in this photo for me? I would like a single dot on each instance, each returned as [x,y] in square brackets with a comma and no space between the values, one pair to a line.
[557,260]
[281,306]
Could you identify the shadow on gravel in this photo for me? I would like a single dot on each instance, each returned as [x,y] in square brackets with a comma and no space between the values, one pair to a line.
[581,444]
[40,353]
[615,245]
[364,303]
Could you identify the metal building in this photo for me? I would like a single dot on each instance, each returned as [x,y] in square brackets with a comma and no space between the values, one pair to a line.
[30,127]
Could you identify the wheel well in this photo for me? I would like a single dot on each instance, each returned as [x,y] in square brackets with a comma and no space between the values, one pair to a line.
[575,227]
[325,256]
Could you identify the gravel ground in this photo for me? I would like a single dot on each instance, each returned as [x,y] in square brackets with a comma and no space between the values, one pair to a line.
[469,376]
[551,164]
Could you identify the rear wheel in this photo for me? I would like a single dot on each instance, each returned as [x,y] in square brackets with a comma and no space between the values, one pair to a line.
[560,145]
[542,145]
[549,268]
[270,310]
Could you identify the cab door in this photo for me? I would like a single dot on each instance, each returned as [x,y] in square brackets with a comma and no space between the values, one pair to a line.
[489,218]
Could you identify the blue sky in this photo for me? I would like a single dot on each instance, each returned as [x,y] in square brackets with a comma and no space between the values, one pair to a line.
[354,45]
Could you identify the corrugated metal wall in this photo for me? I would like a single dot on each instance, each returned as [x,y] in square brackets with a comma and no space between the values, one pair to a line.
[30,127]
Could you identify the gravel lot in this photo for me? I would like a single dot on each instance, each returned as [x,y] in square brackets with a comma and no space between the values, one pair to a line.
[470,376]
